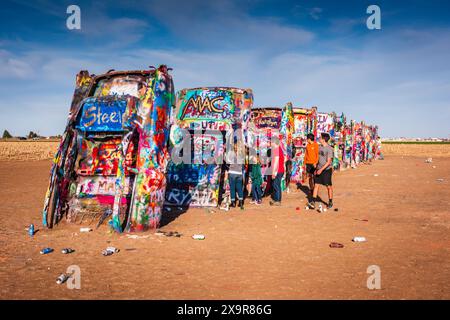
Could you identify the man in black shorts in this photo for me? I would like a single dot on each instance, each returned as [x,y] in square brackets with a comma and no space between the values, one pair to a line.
[324,170]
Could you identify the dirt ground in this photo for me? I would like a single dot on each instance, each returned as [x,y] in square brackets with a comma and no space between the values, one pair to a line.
[260,253]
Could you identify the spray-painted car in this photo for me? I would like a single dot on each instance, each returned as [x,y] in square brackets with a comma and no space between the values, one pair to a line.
[269,123]
[204,120]
[305,122]
[112,158]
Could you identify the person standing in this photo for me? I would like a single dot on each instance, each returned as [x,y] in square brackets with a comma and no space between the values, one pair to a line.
[277,172]
[324,171]
[235,175]
[311,159]
[256,181]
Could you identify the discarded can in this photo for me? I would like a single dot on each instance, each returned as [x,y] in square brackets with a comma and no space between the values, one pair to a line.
[110,251]
[62,278]
[31,230]
[336,245]
[46,250]
[198,237]
[85,229]
[67,250]
[359,239]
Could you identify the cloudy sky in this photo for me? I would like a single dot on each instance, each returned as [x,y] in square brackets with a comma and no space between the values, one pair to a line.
[308,52]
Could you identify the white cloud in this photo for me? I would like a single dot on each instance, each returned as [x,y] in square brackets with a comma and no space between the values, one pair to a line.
[399,81]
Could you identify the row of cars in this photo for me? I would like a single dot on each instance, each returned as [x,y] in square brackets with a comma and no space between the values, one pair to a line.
[132,147]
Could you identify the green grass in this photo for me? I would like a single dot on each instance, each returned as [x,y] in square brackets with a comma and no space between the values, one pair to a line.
[416,142]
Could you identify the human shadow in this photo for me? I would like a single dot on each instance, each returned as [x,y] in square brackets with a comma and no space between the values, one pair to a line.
[171,213]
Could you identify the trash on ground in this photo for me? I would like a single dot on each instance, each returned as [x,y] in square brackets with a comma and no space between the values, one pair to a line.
[62,278]
[31,230]
[109,251]
[135,236]
[168,233]
[198,237]
[336,209]
[429,160]
[46,250]
[375,175]
[67,250]
[85,229]
[359,239]
[336,245]
[440,180]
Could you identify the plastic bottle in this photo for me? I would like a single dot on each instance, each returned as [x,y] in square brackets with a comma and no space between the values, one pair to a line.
[67,250]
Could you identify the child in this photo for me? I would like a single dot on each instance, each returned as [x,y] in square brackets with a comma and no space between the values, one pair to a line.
[324,170]
[257,180]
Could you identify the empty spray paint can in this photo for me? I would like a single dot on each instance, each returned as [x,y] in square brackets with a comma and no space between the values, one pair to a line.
[31,230]
[85,229]
[198,237]
[62,278]
[46,250]
[67,250]
[109,251]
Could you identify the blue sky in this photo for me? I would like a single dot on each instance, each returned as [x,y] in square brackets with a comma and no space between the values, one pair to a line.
[308,52]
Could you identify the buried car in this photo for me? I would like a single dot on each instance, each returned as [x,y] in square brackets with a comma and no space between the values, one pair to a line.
[112,157]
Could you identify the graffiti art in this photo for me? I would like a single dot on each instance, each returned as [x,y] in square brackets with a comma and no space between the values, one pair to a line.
[207,118]
[113,154]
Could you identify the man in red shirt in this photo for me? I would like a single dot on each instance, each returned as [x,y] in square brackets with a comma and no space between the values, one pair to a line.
[277,172]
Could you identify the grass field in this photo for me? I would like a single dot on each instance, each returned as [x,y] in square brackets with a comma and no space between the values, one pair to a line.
[27,150]
[44,149]
[417,142]
[417,149]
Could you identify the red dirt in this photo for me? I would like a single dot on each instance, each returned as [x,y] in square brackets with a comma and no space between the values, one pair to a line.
[260,253]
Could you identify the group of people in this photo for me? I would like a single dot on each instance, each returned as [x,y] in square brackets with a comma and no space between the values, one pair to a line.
[319,169]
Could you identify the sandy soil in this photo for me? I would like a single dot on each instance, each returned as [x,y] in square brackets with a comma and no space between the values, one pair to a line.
[261,253]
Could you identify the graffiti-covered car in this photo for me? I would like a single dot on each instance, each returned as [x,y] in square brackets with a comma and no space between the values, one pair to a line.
[203,121]
[112,158]
[268,123]
[305,121]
